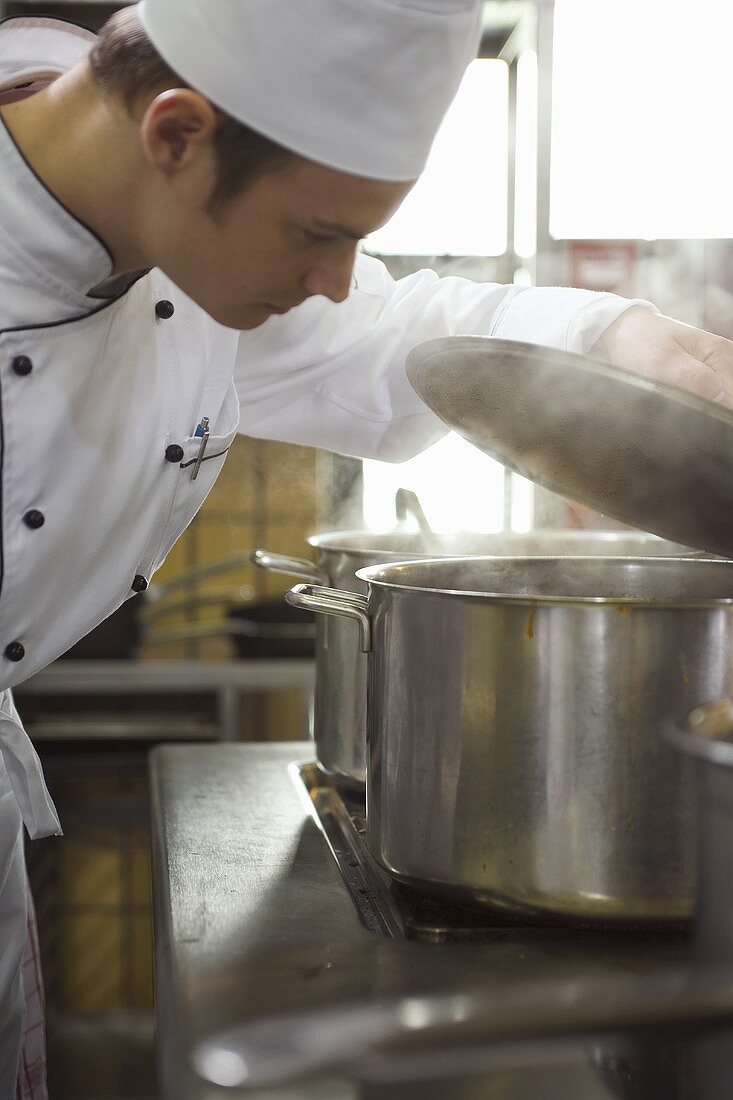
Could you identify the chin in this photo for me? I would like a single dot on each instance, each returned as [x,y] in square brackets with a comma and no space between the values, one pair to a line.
[241,317]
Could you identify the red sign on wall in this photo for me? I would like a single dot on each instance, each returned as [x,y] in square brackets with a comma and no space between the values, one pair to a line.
[603,265]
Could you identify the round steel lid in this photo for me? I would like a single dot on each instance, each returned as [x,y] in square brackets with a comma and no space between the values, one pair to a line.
[644,452]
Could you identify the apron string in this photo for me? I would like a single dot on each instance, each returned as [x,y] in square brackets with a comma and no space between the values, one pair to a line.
[26,774]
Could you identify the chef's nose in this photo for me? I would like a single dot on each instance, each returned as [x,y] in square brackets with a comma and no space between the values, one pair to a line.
[333,280]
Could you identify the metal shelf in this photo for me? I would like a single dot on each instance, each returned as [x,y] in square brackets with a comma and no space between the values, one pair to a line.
[228,681]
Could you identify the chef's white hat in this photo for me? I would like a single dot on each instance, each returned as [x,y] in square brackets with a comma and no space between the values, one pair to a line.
[358,85]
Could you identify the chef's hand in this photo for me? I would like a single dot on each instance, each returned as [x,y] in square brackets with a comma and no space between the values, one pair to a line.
[670,351]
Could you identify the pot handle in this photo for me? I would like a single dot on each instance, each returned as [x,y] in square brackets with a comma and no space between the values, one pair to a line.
[428,1037]
[291,567]
[333,601]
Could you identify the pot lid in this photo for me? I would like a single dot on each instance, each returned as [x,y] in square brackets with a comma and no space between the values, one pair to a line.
[644,452]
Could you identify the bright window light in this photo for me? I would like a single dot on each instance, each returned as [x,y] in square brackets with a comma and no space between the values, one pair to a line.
[522,510]
[459,205]
[642,95]
[525,164]
[460,488]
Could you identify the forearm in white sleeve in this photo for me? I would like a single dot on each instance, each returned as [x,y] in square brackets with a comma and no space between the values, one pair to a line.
[333,375]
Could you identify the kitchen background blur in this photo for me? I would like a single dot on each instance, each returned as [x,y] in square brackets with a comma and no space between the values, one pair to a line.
[584,149]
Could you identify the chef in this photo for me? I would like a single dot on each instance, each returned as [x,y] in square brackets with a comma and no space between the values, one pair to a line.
[182,202]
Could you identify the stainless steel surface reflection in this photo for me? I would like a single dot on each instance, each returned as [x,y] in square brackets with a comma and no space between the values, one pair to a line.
[341,669]
[253,923]
[514,736]
[642,451]
[706,737]
[438,1037]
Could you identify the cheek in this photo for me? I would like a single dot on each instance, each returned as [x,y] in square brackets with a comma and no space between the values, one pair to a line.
[227,275]
[261,253]
[231,268]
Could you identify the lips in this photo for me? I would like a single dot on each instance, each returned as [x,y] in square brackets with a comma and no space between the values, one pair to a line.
[283,309]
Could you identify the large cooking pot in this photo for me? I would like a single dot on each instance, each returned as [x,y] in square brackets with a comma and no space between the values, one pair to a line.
[514,714]
[340,700]
[706,736]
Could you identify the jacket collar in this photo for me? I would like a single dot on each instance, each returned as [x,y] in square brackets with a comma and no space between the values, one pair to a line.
[56,253]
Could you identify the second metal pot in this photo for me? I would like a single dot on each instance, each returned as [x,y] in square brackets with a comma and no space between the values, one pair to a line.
[341,672]
[514,716]
[707,737]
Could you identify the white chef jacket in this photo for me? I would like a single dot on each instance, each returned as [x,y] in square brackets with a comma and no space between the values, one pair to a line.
[99,403]
[100,398]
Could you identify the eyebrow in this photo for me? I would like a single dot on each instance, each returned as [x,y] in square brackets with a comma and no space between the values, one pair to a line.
[343,230]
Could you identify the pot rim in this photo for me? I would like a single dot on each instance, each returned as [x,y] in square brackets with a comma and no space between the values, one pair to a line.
[369,574]
[333,540]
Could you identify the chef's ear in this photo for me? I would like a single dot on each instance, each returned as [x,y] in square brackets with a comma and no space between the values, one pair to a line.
[177,125]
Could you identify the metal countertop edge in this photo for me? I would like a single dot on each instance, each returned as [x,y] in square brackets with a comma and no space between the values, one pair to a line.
[172,1067]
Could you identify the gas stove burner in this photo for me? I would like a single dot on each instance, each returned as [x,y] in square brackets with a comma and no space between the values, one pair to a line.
[390,908]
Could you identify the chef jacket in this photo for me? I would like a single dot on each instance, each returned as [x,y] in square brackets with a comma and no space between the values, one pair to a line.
[102,389]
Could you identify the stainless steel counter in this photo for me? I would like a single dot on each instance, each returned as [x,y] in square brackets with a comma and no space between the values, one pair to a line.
[240,880]
[251,918]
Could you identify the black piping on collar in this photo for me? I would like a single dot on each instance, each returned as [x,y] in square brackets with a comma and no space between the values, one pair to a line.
[105,304]
[62,22]
[87,228]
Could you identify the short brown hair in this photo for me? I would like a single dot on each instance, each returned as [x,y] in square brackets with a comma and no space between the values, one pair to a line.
[126,63]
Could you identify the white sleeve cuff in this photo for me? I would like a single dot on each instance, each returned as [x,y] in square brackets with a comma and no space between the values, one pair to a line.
[561,317]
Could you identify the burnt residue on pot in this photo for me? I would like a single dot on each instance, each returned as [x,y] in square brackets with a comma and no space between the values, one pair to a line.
[529,630]
[535,773]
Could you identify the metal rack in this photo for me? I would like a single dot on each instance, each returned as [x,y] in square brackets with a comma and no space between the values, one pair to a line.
[227,681]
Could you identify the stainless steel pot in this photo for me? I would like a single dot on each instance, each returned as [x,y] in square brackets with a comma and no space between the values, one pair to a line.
[514,712]
[707,737]
[340,700]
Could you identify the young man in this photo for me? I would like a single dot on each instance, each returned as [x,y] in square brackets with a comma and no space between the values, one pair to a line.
[182,205]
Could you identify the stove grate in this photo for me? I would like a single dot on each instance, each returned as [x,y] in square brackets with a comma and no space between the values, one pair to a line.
[390,908]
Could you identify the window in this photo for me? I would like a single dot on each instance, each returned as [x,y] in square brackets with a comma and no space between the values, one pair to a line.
[459,488]
[641,103]
[459,205]
[459,208]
